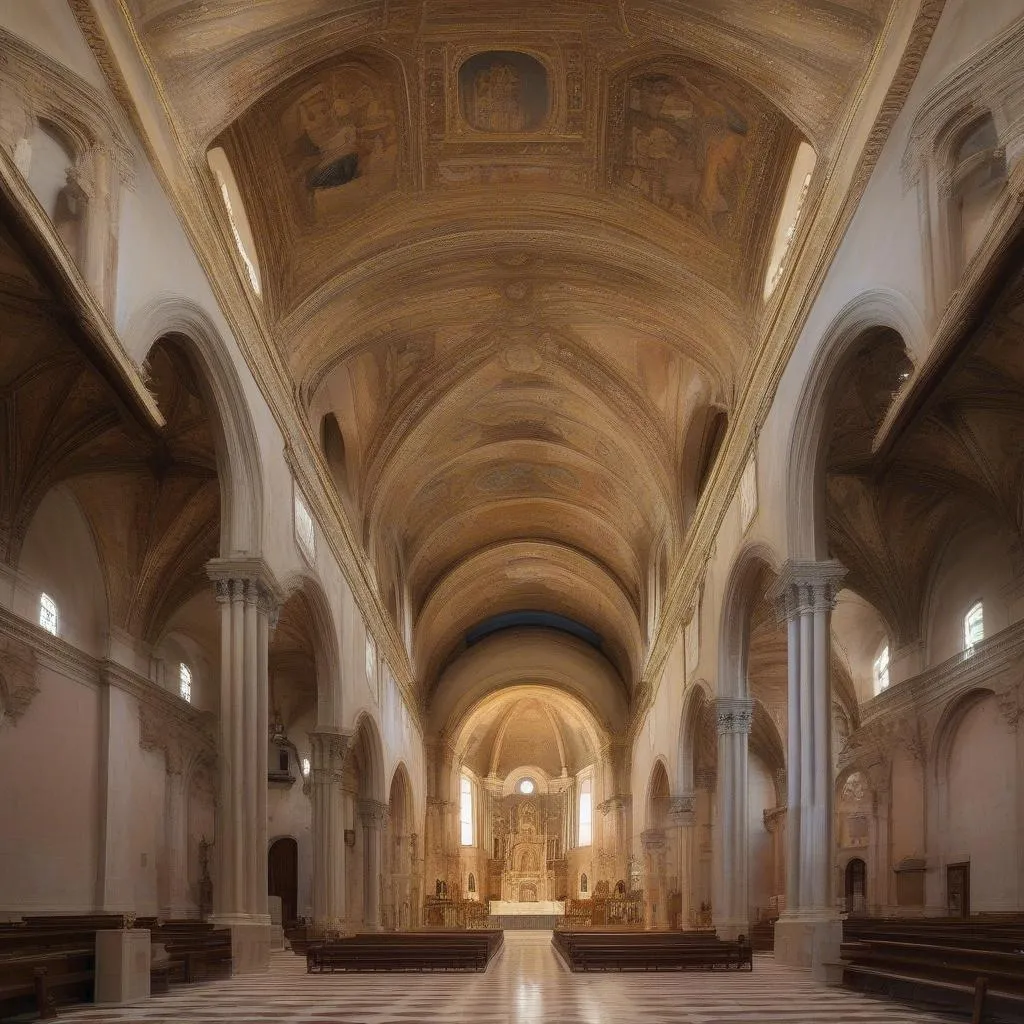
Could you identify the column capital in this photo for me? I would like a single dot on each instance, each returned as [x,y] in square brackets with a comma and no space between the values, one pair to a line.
[807,586]
[734,714]
[248,579]
[373,813]
[330,752]
[653,840]
[773,817]
[682,810]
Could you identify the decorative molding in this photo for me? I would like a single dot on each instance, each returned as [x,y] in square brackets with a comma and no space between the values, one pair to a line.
[734,715]
[682,810]
[18,682]
[806,587]
[374,813]
[774,818]
[331,752]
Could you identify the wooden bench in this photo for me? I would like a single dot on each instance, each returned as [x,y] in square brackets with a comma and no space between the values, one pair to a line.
[973,966]
[651,951]
[40,982]
[406,951]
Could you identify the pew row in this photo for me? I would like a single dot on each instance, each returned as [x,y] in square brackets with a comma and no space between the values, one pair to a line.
[406,951]
[651,951]
[969,966]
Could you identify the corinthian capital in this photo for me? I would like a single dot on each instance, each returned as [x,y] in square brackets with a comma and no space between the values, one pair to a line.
[806,586]
[374,814]
[734,714]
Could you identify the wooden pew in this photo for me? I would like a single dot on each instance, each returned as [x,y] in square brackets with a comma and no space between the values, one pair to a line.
[406,951]
[972,965]
[40,982]
[650,951]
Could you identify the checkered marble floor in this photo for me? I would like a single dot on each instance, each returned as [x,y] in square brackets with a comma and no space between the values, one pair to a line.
[526,984]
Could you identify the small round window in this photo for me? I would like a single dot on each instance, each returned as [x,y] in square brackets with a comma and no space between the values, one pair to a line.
[526,787]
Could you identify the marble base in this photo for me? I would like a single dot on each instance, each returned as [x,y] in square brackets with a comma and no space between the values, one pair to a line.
[122,966]
[250,943]
[808,943]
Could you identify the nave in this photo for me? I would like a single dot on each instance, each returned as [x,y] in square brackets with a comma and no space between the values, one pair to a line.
[527,984]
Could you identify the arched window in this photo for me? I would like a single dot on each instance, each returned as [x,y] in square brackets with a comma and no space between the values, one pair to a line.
[789,217]
[471,885]
[237,218]
[586,814]
[185,682]
[306,767]
[974,626]
[975,177]
[466,811]
[583,884]
[880,670]
[48,613]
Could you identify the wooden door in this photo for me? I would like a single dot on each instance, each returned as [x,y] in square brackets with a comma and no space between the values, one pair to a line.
[283,877]
[958,890]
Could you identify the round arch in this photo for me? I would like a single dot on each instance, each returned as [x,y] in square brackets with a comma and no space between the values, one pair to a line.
[306,588]
[238,455]
[877,308]
[741,594]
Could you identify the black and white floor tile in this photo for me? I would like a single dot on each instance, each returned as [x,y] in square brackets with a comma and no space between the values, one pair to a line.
[525,984]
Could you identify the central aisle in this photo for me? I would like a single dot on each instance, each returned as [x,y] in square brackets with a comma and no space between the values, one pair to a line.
[527,984]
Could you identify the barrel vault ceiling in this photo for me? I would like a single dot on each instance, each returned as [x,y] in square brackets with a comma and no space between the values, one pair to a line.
[517,252]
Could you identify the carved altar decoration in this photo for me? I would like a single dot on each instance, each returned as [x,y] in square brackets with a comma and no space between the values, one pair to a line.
[528,877]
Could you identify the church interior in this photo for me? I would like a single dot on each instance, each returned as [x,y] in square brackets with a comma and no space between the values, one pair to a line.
[604,555]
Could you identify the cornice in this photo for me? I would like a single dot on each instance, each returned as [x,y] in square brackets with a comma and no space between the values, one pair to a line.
[53,264]
[786,316]
[840,193]
[253,337]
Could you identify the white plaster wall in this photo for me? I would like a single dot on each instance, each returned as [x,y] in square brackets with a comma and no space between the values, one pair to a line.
[975,567]
[49,800]
[982,825]
[58,557]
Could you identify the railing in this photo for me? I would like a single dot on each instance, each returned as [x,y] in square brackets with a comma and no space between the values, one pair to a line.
[600,912]
[454,914]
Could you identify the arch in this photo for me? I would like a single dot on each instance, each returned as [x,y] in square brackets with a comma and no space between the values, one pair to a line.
[877,308]
[238,454]
[742,592]
[400,800]
[283,875]
[855,877]
[695,707]
[945,732]
[658,794]
[369,751]
[326,654]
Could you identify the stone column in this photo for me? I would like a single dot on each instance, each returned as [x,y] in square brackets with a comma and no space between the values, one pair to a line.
[682,817]
[775,825]
[731,905]
[176,837]
[329,752]
[655,894]
[247,594]
[809,933]
[374,816]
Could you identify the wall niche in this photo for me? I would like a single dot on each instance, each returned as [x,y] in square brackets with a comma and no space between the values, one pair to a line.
[504,92]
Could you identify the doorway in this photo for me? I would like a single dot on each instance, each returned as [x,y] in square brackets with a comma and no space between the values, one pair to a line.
[856,887]
[958,890]
[283,877]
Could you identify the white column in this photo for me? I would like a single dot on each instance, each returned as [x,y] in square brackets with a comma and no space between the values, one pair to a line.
[329,750]
[731,910]
[809,932]
[374,816]
[176,837]
[248,596]
[682,816]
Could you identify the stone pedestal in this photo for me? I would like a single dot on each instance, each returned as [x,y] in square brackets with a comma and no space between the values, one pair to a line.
[250,943]
[122,966]
[808,943]
[276,928]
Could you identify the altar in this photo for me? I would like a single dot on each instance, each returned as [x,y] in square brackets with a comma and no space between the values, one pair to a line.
[499,908]
[537,914]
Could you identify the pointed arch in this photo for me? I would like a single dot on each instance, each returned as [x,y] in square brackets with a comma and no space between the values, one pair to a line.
[369,750]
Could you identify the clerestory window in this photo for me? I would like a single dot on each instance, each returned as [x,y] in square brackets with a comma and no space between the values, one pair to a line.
[48,613]
[881,670]
[974,626]
[466,811]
